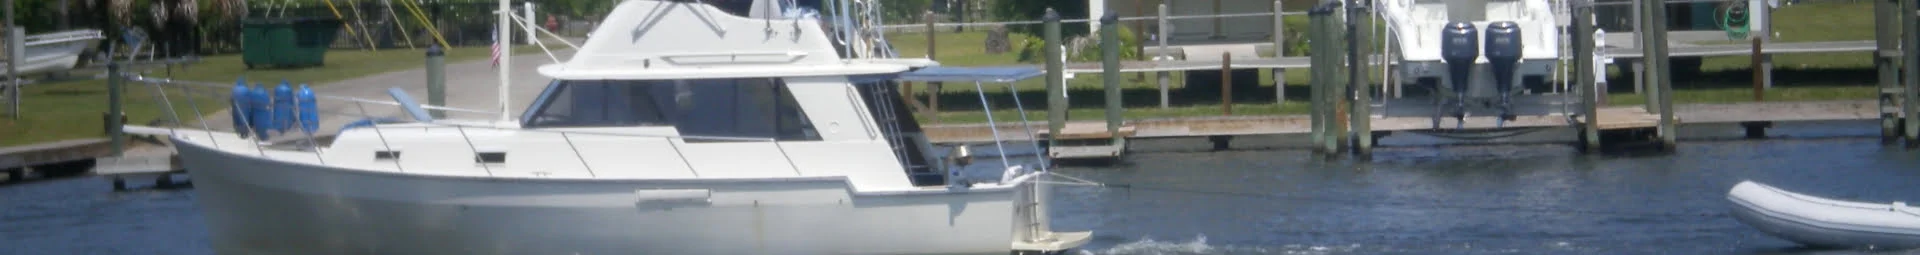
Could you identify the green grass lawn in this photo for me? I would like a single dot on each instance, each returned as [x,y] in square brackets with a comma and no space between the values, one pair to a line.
[73,109]
[1797,77]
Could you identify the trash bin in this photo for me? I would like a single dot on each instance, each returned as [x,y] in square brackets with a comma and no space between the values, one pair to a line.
[287,42]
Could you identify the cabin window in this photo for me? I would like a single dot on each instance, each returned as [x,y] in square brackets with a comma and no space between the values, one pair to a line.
[594,103]
[740,108]
[762,108]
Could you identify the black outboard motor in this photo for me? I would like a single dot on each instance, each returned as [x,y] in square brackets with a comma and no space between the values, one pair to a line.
[1503,55]
[1459,46]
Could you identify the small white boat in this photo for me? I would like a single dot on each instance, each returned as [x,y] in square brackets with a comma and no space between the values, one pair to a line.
[53,52]
[1821,222]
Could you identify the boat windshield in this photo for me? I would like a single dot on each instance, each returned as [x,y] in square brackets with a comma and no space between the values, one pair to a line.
[741,108]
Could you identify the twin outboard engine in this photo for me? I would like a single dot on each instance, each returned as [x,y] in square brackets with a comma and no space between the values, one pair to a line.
[1503,54]
[1459,47]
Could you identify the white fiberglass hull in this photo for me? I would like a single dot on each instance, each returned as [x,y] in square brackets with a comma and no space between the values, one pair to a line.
[1820,222]
[53,55]
[255,205]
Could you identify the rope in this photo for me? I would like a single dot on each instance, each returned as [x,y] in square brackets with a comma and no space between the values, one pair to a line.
[1370,202]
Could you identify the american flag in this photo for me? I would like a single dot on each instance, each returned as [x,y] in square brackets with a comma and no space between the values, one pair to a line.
[496,48]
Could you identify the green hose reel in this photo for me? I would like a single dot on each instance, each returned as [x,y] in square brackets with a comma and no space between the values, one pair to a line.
[1734,20]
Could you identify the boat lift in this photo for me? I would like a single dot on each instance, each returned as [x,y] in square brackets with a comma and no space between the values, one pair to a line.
[1467,68]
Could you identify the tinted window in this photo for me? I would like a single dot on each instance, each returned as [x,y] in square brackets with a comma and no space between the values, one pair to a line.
[738,108]
[601,103]
[757,108]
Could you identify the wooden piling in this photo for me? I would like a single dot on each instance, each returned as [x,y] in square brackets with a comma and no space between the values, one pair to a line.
[1056,77]
[1358,82]
[1110,73]
[933,87]
[1279,51]
[1759,72]
[1584,66]
[1911,42]
[1226,84]
[1887,53]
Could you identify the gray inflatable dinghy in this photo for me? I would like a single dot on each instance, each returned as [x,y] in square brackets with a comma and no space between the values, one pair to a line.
[1821,222]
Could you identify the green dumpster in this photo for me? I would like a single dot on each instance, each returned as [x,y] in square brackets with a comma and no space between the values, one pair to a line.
[287,42]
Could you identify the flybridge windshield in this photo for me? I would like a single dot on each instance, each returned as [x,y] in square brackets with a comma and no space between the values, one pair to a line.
[747,108]
[742,7]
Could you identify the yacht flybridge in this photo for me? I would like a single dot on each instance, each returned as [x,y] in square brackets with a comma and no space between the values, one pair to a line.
[680,127]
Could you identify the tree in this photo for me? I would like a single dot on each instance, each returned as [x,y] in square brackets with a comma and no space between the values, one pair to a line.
[1033,10]
[905,11]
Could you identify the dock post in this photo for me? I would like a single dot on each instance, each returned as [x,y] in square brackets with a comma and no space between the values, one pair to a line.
[1663,84]
[1317,83]
[437,79]
[933,87]
[1110,71]
[1279,51]
[15,40]
[1911,24]
[1358,83]
[1341,93]
[115,111]
[1584,66]
[1164,76]
[1887,52]
[1759,69]
[1056,89]
[1226,83]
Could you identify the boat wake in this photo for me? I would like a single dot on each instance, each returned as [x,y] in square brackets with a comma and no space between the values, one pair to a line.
[1199,245]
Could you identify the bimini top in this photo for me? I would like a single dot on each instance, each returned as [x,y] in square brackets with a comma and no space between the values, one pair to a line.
[644,40]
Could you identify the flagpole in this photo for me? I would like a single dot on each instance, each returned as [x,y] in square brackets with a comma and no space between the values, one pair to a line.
[506,56]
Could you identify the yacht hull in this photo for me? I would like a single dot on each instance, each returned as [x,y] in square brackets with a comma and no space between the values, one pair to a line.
[261,205]
[57,52]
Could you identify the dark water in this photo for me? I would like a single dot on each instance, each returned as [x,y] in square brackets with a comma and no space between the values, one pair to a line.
[1538,196]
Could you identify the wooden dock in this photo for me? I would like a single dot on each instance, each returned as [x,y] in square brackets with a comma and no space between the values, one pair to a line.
[1087,140]
[1611,118]
[140,159]
[51,159]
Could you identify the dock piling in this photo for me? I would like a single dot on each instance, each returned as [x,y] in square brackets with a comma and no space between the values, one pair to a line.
[1886,56]
[1164,76]
[1911,24]
[1653,42]
[933,87]
[1341,93]
[116,114]
[1319,71]
[16,38]
[1226,84]
[1279,51]
[1056,78]
[1584,68]
[1110,71]
[436,80]
[1759,70]
[1359,85]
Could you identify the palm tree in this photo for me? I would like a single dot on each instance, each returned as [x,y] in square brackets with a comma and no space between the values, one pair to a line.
[223,24]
